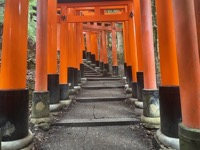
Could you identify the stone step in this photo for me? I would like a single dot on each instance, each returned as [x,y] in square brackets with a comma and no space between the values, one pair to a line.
[97,122]
[93,76]
[102,79]
[102,87]
[100,99]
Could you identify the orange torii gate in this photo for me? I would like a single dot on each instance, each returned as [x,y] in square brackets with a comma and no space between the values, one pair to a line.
[176,73]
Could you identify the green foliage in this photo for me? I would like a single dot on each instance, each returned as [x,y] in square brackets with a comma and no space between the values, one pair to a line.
[2,2]
[32,21]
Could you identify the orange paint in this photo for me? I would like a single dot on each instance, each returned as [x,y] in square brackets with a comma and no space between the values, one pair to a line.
[71,31]
[58,36]
[197,14]
[114,46]
[167,45]
[41,46]
[88,44]
[96,47]
[105,55]
[132,45]
[188,61]
[63,50]
[14,46]
[125,43]
[147,45]
[137,16]
[52,37]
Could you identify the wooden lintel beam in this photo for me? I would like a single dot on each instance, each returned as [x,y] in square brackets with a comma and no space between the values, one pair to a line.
[100,28]
[95,4]
[98,18]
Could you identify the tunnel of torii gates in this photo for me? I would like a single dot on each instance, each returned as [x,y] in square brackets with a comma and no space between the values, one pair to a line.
[63,25]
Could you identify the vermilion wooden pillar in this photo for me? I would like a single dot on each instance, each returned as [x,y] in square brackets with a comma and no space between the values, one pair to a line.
[53,77]
[128,54]
[64,62]
[40,100]
[197,14]
[169,90]
[105,55]
[88,46]
[133,52]
[151,112]
[14,103]
[140,75]
[71,49]
[114,51]
[125,48]
[101,64]
[93,48]
[96,50]
[189,71]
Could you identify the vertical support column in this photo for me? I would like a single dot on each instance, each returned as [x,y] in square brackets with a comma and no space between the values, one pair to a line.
[40,101]
[114,51]
[96,50]
[125,38]
[139,74]
[64,63]
[88,46]
[169,90]
[71,50]
[101,64]
[133,52]
[53,77]
[105,55]
[197,14]
[189,71]
[92,46]
[14,103]
[151,112]
[128,56]
[83,51]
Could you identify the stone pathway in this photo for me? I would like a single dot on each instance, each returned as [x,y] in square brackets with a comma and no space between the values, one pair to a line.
[95,122]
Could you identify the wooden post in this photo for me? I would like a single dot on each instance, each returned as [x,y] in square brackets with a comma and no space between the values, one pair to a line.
[189,71]
[151,112]
[14,103]
[169,90]
[114,51]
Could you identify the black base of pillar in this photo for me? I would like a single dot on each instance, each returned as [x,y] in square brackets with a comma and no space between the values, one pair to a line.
[170,110]
[125,68]
[93,58]
[189,138]
[79,76]
[97,63]
[54,88]
[134,90]
[75,77]
[106,67]
[140,85]
[151,106]
[82,70]
[14,113]
[84,54]
[71,77]
[101,64]
[115,70]
[89,56]
[64,91]
[129,75]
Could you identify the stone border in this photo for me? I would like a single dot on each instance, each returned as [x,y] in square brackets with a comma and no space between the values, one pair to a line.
[24,143]
[167,141]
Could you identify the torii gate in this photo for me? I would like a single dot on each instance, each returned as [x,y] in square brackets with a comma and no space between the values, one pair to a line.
[174,28]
